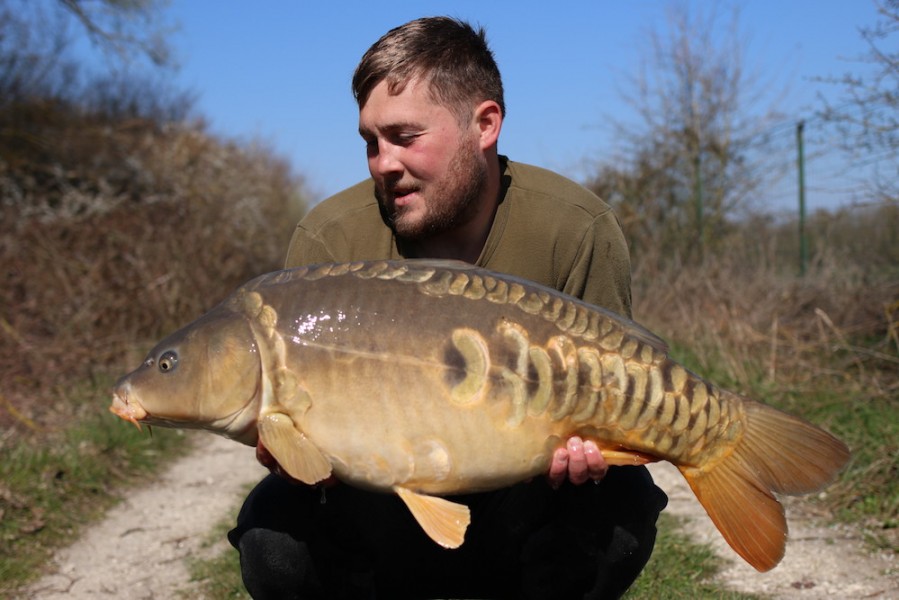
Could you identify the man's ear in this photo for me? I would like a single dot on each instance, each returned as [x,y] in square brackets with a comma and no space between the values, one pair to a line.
[489,119]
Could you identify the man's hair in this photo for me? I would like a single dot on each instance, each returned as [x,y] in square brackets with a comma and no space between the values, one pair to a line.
[447,54]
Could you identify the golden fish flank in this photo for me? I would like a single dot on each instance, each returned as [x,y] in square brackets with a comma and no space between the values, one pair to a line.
[637,383]
[636,389]
[425,378]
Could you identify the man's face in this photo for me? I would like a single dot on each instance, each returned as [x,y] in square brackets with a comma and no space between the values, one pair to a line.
[429,171]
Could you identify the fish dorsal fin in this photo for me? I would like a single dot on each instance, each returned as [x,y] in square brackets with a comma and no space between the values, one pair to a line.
[444,521]
[292,449]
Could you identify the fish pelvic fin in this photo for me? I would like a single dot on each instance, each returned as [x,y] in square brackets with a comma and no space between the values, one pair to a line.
[626,458]
[296,454]
[444,521]
[777,454]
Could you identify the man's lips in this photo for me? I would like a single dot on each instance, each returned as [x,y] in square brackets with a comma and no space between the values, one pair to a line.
[403,196]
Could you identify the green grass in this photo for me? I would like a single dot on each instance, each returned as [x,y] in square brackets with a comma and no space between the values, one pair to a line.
[55,483]
[865,494]
[680,568]
[217,576]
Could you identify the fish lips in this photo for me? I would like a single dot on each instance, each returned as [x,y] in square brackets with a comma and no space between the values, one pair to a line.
[123,407]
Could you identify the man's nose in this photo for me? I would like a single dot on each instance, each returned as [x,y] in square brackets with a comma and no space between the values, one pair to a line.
[386,161]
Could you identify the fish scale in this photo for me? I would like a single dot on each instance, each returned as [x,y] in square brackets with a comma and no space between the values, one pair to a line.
[566,393]
[431,378]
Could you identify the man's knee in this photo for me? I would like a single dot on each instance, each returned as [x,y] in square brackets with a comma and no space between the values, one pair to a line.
[275,565]
[275,561]
[294,546]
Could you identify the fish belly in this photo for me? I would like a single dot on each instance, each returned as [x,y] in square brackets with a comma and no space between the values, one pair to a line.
[379,434]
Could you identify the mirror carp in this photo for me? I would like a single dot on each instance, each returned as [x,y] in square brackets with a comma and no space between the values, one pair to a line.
[429,378]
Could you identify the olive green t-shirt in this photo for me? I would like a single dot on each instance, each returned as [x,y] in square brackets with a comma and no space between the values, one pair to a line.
[547,229]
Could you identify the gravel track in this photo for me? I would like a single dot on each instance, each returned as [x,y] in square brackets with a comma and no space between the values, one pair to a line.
[820,562]
[140,549]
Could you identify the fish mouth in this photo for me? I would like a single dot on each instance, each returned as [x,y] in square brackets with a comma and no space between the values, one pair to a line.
[126,409]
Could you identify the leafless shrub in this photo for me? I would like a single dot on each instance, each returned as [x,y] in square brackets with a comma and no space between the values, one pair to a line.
[115,232]
[746,313]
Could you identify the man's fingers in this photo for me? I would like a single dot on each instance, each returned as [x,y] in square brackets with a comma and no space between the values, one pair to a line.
[558,468]
[578,462]
[596,464]
[578,470]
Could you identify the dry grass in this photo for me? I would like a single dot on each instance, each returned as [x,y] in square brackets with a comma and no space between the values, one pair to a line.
[112,233]
[781,328]
[115,233]
[824,346]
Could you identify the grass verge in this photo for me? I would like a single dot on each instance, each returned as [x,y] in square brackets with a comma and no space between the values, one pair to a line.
[864,494]
[680,568]
[216,576]
[54,483]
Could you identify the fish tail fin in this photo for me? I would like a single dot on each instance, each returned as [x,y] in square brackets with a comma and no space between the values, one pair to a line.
[777,454]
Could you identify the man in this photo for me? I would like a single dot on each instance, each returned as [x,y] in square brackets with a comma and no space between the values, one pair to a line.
[430,112]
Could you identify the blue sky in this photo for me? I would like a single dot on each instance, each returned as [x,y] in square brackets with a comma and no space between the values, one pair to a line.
[280,70]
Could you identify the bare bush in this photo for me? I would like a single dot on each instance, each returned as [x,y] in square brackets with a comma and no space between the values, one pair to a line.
[696,151]
[866,116]
[122,231]
[754,319]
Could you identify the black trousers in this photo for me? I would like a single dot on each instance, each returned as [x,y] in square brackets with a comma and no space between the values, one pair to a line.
[524,542]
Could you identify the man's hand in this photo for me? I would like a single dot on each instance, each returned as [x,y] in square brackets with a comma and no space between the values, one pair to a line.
[268,461]
[578,462]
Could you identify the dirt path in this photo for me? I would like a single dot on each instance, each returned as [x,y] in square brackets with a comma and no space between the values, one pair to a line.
[820,562]
[139,550]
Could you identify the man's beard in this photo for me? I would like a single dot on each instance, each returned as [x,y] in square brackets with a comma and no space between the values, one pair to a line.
[450,202]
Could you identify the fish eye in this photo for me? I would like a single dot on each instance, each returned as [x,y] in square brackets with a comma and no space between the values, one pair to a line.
[168,361]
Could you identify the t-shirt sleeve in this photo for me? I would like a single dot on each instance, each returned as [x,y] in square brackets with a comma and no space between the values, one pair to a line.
[344,227]
[306,249]
[601,271]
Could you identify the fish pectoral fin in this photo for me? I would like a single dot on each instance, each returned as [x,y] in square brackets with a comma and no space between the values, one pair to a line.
[444,521]
[292,449]
[626,457]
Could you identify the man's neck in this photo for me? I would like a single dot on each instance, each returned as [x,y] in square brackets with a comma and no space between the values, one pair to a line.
[465,247]
[467,242]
